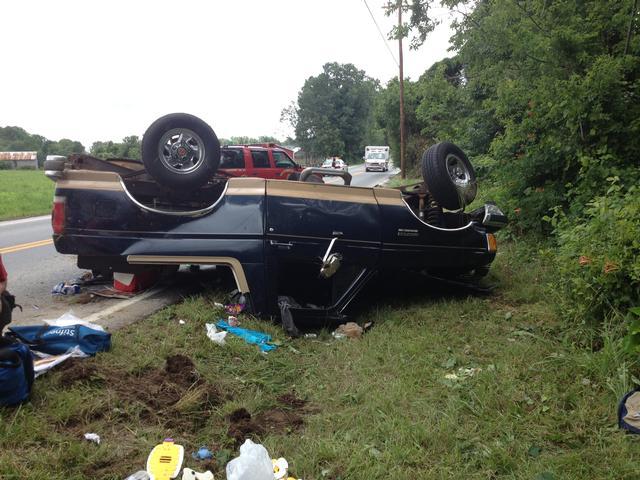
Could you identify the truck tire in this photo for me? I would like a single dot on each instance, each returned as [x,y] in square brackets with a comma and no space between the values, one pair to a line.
[449,176]
[180,151]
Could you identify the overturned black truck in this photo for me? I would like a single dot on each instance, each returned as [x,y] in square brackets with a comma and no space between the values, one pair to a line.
[316,243]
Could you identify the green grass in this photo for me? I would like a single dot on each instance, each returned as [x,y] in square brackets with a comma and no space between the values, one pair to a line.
[397,181]
[24,193]
[379,407]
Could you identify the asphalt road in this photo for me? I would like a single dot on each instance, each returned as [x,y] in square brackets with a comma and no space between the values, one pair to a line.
[362,178]
[34,267]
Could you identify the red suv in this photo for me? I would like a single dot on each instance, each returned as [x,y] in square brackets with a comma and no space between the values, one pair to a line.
[264,160]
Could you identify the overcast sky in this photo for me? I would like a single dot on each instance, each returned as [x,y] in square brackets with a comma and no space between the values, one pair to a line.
[102,70]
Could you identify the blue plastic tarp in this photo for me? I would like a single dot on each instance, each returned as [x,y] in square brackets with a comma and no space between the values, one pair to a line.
[250,336]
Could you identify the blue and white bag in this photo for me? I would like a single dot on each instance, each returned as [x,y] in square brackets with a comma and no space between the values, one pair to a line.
[56,340]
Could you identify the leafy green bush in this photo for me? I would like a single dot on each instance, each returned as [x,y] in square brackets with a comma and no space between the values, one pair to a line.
[564,136]
[598,255]
[632,340]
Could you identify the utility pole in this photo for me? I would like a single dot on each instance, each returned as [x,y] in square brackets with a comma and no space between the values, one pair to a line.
[403,172]
[633,15]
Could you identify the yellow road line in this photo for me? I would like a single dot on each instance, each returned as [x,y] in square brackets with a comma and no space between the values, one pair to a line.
[25,246]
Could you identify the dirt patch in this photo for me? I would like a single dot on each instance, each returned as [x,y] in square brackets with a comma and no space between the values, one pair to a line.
[279,421]
[174,395]
[180,364]
[239,415]
[77,370]
[243,425]
[177,387]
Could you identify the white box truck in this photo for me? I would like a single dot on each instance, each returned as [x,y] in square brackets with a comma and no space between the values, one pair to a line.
[376,158]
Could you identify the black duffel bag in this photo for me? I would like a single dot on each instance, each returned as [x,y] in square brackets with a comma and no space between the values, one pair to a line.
[8,304]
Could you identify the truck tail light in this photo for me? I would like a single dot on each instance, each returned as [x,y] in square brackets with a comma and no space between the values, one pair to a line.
[492,244]
[58,215]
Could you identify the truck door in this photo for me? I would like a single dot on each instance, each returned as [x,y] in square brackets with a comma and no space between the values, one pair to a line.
[283,164]
[263,166]
[302,220]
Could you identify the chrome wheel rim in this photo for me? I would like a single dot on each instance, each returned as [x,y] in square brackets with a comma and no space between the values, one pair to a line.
[458,171]
[181,150]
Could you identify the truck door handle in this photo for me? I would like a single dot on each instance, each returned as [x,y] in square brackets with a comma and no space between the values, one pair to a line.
[281,245]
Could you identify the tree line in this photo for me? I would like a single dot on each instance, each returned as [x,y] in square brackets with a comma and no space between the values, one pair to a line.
[544,96]
[17,139]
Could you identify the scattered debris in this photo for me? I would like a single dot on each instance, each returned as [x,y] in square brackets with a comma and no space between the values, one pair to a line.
[86,277]
[181,322]
[203,453]
[165,460]
[217,304]
[254,337]
[234,308]
[46,362]
[280,467]
[139,475]
[285,304]
[349,329]
[629,412]
[57,340]
[214,334]
[82,298]
[134,282]
[254,463]
[233,321]
[110,292]
[463,373]
[92,437]
[64,288]
[69,319]
[188,474]
[310,335]
[237,303]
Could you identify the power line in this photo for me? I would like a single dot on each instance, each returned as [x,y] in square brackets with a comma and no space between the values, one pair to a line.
[381,34]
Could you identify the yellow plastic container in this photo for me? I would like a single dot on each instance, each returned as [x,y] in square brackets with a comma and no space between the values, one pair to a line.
[165,460]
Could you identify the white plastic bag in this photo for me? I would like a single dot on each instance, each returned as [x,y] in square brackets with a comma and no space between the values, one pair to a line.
[43,362]
[70,319]
[215,335]
[254,463]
